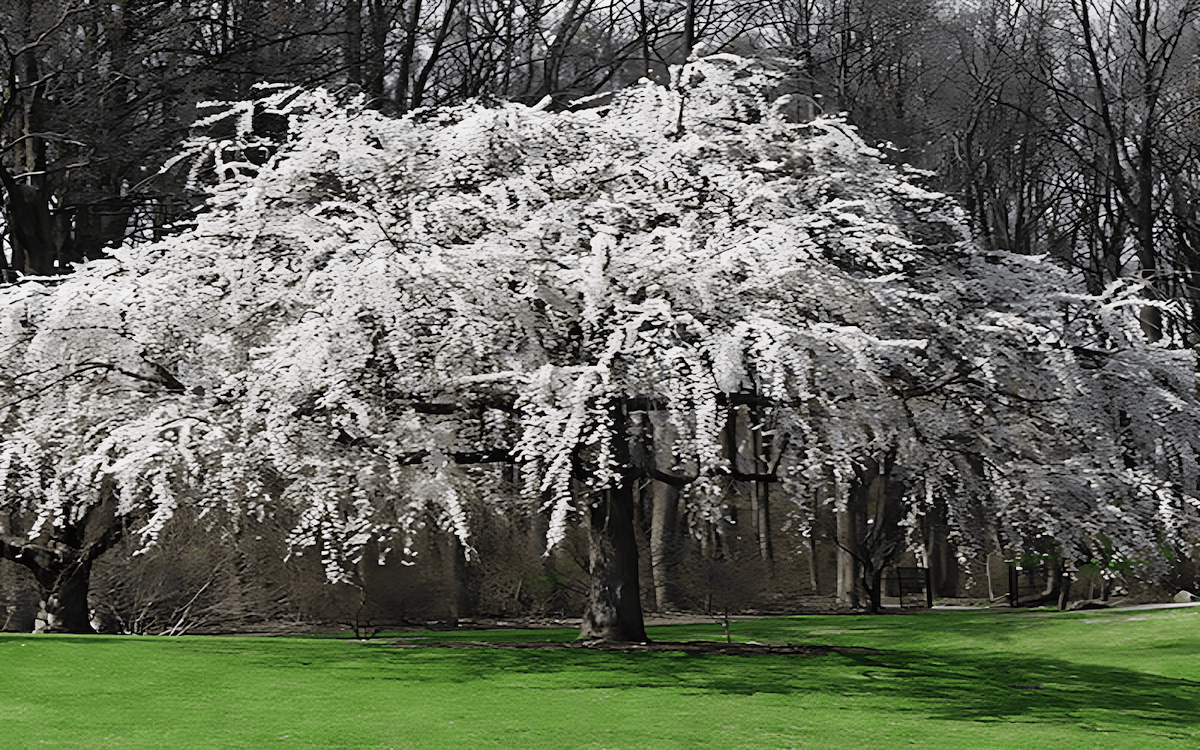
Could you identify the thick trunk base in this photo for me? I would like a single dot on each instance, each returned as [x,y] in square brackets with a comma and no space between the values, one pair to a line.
[64,606]
[614,609]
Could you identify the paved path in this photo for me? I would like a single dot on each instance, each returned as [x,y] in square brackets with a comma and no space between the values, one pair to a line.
[1170,605]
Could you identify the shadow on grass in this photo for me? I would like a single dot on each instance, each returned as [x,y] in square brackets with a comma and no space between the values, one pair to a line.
[949,685]
[965,686]
[921,668]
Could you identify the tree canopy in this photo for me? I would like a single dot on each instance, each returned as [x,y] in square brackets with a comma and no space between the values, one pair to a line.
[366,305]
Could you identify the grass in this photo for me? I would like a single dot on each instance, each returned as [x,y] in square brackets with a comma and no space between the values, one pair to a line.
[943,679]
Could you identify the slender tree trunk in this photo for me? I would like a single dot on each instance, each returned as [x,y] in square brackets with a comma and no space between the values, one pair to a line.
[870,490]
[7,274]
[1052,580]
[658,462]
[1014,586]
[563,33]
[987,567]
[1064,591]
[435,52]
[376,59]
[847,540]
[873,582]
[408,50]
[662,540]
[614,608]
[34,235]
[813,564]
[644,37]
[354,38]
[763,522]
[689,28]
[761,490]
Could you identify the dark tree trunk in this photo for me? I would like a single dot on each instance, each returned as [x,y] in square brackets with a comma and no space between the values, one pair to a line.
[873,583]
[866,533]
[644,37]
[814,578]
[353,42]
[7,274]
[689,28]
[614,608]
[377,59]
[1064,591]
[422,80]
[65,596]
[408,50]
[564,32]
[37,237]
[62,564]
[63,583]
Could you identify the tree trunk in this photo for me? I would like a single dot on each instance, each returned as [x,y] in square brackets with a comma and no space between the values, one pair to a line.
[64,606]
[614,608]
[689,28]
[63,582]
[873,583]
[353,43]
[564,31]
[7,274]
[847,565]
[871,543]
[644,38]
[36,236]
[760,491]
[62,564]
[377,57]
[1064,591]
[814,578]
[435,52]
[662,540]
[408,50]
[762,522]
[943,566]
[665,508]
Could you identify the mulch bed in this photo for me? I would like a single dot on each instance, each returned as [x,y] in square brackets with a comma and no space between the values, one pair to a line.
[689,647]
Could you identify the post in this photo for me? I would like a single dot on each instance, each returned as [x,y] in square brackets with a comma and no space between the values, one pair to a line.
[1014,594]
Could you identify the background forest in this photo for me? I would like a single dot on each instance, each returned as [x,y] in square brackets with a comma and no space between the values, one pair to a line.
[1064,129]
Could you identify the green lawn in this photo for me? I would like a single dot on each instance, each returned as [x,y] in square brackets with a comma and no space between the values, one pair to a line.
[942,679]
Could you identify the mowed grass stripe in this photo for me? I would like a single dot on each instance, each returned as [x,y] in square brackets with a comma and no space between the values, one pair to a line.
[943,679]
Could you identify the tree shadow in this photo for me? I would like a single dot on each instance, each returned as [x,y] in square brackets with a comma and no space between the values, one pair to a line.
[956,686]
